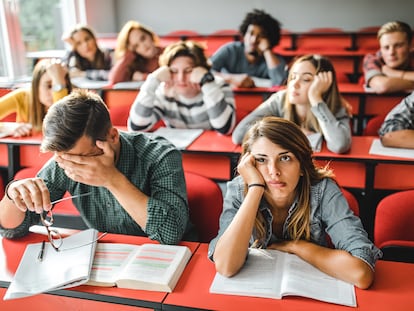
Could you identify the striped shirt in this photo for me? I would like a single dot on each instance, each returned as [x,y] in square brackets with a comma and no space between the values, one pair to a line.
[212,109]
[401,117]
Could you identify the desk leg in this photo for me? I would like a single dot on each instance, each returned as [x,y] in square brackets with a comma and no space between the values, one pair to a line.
[234,160]
[368,211]
[13,152]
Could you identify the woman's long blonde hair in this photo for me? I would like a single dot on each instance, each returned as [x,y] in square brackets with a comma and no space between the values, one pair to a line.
[331,97]
[122,39]
[37,110]
[289,136]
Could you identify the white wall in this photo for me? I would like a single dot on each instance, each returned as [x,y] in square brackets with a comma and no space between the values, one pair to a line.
[296,15]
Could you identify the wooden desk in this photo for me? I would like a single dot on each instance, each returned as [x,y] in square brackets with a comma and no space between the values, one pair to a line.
[392,290]
[81,297]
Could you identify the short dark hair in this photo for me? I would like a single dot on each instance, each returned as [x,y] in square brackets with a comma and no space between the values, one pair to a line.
[80,113]
[271,26]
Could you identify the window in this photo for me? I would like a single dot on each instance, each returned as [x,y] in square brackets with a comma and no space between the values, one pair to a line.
[32,29]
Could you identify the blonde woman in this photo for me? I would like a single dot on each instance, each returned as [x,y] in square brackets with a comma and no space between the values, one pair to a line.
[282,201]
[311,100]
[136,53]
[50,82]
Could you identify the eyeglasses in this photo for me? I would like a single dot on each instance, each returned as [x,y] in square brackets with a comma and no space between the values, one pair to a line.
[47,220]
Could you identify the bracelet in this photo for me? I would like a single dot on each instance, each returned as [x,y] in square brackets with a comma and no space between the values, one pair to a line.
[256,185]
[6,190]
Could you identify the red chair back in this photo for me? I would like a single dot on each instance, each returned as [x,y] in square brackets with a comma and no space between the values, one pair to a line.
[394,218]
[205,201]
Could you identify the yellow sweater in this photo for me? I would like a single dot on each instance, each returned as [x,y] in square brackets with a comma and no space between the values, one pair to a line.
[18,101]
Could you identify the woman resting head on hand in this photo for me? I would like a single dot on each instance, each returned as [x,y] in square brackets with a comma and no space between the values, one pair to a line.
[281,200]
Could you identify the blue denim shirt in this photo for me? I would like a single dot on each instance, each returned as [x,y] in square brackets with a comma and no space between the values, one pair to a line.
[330,215]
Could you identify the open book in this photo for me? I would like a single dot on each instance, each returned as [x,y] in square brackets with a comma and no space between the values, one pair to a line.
[68,267]
[147,267]
[274,274]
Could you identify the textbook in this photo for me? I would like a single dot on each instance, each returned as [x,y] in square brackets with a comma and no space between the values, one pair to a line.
[274,274]
[155,267]
[45,269]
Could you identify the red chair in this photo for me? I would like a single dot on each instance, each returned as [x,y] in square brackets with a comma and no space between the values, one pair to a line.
[205,201]
[394,226]
[352,201]
[373,125]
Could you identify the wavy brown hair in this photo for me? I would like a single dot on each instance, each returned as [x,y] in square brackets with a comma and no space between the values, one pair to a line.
[289,136]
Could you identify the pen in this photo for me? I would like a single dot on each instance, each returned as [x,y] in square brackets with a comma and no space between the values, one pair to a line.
[42,251]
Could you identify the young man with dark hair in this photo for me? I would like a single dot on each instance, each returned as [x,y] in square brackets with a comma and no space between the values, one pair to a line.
[135,183]
[238,62]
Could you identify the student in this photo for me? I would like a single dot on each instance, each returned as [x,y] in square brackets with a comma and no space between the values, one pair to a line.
[50,82]
[136,183]
[86,59]
[239,62]
[397,130]
[184,94]
[391,69]
[136,53]
[311,100]
[282,201]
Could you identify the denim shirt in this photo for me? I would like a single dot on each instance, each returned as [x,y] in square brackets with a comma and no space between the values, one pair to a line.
[330,216]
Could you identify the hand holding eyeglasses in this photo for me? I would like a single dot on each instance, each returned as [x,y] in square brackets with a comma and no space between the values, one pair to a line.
[47,220]
[29,194]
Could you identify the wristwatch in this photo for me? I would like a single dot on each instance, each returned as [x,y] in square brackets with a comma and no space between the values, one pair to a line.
[57,87]
[207,78]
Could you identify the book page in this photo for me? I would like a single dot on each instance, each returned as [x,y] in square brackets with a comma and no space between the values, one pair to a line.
[155,267]
[303,279]
[378,148]
[259,277]
[68,267]
[181,138]
[110,259]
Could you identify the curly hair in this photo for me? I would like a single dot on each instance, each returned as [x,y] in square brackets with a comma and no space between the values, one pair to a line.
[271,27]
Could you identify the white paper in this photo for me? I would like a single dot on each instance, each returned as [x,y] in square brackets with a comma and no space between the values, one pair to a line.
[181,138]
[7,128]
[378,148]
[68,267]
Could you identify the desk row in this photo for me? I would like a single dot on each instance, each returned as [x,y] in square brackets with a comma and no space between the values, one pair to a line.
[392,283]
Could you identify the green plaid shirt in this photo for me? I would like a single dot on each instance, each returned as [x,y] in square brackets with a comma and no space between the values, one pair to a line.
[154,166]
